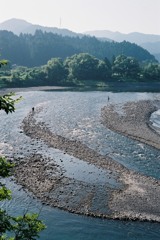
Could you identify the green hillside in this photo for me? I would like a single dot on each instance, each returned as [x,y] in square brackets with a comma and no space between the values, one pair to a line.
[35,50]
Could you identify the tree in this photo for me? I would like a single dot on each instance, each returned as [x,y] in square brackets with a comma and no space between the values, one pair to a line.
[55,70]
[7,103]
[151,71]
[103,70]
[125,67]
[42,46]
[28,226]
[84,66]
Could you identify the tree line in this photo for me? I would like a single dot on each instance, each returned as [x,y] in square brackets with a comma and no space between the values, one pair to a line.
[35,50]
[80,69]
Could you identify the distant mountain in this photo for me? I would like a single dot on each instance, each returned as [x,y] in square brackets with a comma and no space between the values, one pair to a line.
[18,26]
[150,42]
[157,56]
[19,38]
[133,37]
[35,50]
[153,47]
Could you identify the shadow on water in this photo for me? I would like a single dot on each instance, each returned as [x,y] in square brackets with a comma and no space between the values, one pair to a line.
[115,87]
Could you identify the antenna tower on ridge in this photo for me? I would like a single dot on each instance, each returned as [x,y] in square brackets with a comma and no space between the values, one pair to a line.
[60,22]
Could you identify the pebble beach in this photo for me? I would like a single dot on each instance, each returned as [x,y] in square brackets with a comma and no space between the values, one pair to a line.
[135,196]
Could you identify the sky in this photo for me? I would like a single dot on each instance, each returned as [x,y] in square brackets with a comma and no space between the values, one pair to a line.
[83,15]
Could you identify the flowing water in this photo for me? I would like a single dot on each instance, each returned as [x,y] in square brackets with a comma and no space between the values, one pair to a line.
[155,119]
[77,115]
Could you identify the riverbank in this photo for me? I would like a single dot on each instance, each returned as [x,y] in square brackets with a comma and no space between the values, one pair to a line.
[132,120]
[110,86]
[135,196]
[26,89]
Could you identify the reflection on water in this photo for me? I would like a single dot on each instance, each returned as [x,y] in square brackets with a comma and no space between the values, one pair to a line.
[76,115]
[81,170]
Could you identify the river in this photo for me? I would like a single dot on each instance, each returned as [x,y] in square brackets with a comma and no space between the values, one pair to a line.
[77,115]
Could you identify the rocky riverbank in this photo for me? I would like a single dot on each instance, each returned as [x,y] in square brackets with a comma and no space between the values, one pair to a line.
[132,120]
[133,196]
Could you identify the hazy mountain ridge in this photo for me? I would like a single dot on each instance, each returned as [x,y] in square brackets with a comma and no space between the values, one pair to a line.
[153,47]
[39,44]
[135,37]
[150,42]
[18,26]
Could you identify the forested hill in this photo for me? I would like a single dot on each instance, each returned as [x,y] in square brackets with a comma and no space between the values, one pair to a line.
[35,50]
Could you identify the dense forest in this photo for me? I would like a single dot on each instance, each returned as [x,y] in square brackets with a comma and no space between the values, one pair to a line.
[35,50]
[80,69]
[50,59]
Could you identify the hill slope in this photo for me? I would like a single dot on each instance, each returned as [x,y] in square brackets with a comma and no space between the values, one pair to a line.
[18,26]
[32,45]
[133,37]
[150,42]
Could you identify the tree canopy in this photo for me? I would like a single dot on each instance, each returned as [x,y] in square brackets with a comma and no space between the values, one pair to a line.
[42,46]
[81,69]
[125,67]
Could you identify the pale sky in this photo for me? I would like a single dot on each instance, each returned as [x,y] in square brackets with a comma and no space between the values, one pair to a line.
[82,15]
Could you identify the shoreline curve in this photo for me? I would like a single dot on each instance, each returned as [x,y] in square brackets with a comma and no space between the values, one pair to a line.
[136,199]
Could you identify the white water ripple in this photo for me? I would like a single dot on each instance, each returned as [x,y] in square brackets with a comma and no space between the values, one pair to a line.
[155,121]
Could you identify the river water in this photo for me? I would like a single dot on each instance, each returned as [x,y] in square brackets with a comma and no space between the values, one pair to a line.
[77,115]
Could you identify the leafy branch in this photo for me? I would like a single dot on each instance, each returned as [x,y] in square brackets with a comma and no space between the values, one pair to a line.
[7,102]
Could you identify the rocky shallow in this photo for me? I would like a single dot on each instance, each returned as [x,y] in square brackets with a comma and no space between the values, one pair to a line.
[134,196]
[132,120]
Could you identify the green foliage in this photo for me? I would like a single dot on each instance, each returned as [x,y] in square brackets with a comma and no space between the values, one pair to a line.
[5,167]
[151,71]
[55,71]
[3,62]
[28,226]
[80,69]
[84,66]
[25,77]
[39,48]
[5,223]
[125,67]
[5,171]
[7,103]
[4,193]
